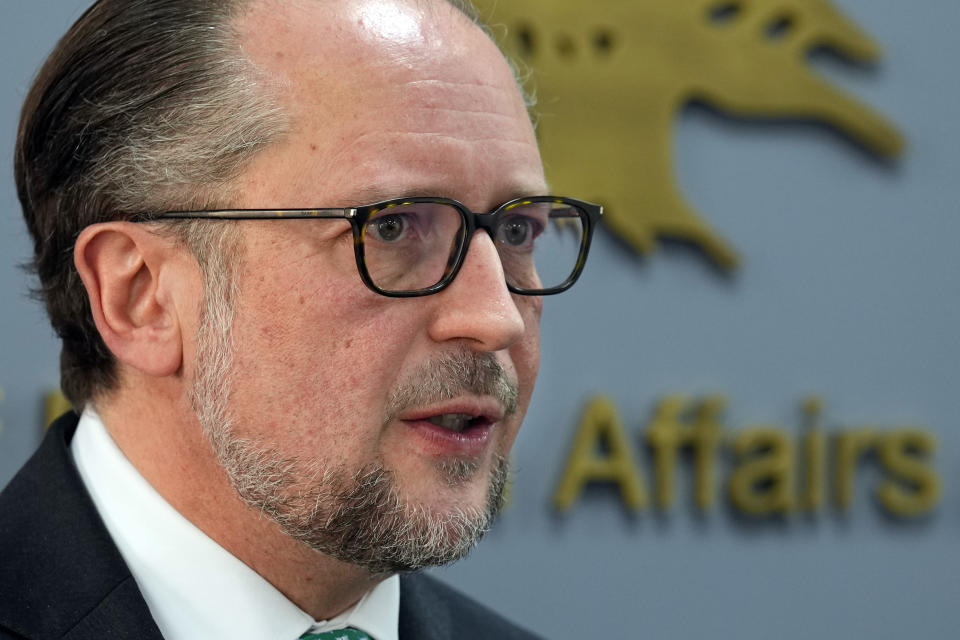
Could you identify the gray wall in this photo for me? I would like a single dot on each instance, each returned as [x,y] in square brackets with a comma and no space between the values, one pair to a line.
[848,289]
[29,356]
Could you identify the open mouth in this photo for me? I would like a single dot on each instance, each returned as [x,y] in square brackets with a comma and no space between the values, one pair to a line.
[458,422]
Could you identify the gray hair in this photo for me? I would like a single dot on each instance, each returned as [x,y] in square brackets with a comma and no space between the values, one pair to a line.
[143,106]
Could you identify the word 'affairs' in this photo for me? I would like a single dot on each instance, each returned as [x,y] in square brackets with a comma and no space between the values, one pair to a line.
[773,471]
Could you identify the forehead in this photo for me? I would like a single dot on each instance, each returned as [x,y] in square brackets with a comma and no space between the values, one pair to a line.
[391,95]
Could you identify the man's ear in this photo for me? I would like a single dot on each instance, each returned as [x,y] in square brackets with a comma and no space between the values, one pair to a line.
[127,272]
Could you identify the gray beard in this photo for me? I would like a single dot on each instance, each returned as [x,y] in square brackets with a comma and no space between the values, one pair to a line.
[358,516]
[365,522]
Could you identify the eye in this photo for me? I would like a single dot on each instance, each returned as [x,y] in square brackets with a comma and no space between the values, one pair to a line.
[388,228]
[518,231]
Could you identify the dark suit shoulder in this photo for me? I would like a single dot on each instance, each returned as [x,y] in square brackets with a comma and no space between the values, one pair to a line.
[431,610]
[60,573]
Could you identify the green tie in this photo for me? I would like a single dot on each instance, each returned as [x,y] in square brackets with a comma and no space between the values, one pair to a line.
[338,634]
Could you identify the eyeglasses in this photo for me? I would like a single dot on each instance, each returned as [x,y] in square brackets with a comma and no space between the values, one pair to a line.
[415,246]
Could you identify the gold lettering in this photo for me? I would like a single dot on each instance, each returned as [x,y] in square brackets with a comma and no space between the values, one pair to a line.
[814,447]
[601,453]
[668,433]
[916,488]
[767,459]
[706,440]
[665,435]
[764,484]
[851,445]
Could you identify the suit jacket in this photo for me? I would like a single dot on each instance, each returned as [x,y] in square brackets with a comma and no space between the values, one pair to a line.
[62,577]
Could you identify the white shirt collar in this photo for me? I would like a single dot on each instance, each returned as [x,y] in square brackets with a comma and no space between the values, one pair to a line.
[194,587]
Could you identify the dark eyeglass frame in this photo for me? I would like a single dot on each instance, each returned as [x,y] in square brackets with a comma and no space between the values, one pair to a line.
[361,215]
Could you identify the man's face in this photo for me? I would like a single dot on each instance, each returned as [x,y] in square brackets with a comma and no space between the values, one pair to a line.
[344,391]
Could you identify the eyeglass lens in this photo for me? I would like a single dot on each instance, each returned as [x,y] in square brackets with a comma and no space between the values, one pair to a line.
[413,246]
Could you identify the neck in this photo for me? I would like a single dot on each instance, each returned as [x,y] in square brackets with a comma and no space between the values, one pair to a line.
[176,458]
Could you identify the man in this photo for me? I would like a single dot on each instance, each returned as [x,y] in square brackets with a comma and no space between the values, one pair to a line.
[283,408]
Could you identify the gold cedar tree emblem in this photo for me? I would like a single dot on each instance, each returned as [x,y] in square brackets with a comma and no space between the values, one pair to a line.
[611,75]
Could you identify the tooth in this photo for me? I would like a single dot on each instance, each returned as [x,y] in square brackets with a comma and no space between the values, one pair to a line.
[452,421]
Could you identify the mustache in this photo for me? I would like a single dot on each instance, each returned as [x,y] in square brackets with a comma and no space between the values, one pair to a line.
[451,375]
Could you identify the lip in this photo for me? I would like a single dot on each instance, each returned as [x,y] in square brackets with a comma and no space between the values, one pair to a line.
[471,442]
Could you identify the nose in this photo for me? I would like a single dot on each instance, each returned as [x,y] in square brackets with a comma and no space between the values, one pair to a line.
[477,307]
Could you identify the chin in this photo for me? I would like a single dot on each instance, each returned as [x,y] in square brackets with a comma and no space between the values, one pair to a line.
[383,527]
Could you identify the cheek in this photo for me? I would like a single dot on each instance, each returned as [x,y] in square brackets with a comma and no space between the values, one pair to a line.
[292,347]
[316,360]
